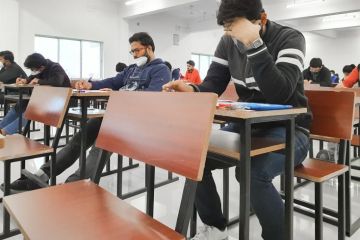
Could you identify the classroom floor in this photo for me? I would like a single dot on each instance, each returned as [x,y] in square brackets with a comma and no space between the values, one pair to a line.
[167,199]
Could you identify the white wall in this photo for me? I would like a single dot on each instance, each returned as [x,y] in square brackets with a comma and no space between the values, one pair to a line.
[81,19]
[9,19]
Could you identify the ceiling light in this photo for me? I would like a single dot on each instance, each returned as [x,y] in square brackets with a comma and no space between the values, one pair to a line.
[131,2]
[299,3]
[342,17]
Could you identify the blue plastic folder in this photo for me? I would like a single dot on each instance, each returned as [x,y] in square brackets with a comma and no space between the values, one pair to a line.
[258,106]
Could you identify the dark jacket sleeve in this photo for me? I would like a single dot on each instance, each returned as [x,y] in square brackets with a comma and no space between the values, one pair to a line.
[158,77]
[278,79]
[9,75]
[325,78]
[115,83]
[56,77]
[218,75]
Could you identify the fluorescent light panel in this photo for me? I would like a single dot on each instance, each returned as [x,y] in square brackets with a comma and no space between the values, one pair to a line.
[299,3]
[131,2]
[342,17]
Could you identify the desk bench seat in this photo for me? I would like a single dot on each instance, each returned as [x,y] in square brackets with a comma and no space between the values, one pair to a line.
[227,144]
[82,210]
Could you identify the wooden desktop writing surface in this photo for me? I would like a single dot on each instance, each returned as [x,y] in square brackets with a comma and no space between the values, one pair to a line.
[18,86]
[96,214]
[90,93]
[246,114]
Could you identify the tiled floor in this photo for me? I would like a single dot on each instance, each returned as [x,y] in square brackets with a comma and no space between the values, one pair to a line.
[167,199]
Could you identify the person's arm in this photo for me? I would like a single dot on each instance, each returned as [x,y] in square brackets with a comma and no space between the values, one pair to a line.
[197,78]
[56,77]
[159,77]
[278,79]
[115,83]
[218,75]
[351,79]
[325,78]
[9,75]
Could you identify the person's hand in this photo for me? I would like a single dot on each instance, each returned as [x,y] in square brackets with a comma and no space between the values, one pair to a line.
[20,81]
[177,86]
[243,30]
[83,85]
[34,81]
[106,89]
[340,85]
[307,81]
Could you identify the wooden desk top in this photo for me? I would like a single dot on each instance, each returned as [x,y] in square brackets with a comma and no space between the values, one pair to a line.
[82,210]
[17,146]
[246,114]
[17,86]
[90,93]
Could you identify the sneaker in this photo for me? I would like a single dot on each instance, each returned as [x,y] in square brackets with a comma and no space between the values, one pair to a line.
[24,184]
[210,233]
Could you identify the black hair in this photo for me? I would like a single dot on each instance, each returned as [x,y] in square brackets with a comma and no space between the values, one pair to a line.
[35,61]
[7,55]
[168,65]
[316,62]
[348,68]
[191,62]
[144,38]
[120,67]
[230,9]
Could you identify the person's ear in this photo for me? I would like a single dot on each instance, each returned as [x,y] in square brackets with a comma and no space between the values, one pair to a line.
[263,18]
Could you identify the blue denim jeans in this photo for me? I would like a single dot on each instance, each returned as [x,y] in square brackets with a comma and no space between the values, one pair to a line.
[10,123]
[265,199]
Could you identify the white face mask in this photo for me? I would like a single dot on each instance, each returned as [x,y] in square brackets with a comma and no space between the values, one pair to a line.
[1,65]
[35,72]
[141,61]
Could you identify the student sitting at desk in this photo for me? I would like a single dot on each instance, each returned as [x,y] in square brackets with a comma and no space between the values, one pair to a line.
[43,72]
[9,69]
[351,79]
[147,74]
[265,60]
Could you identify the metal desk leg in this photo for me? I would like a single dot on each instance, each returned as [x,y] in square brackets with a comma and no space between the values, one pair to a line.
[289,178]
[83,104]
[245,166]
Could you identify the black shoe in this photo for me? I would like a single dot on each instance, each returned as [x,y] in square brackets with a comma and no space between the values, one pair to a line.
[24,184]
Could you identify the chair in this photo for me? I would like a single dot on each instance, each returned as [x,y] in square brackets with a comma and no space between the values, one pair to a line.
[47,105]
[130,127]
[333,119]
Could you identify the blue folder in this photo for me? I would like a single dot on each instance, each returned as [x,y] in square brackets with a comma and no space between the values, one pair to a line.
[258,106]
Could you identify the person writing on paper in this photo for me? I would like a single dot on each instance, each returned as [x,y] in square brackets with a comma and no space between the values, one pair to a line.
[148,73]
[265,60]
[350,80]
[9,69]
[317,73]
[192,74]
[43,72]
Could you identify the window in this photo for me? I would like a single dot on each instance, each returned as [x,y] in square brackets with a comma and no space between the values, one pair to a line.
[79,58]
[202,63]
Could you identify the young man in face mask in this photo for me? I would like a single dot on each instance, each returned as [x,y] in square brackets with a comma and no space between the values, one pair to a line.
[317,73]
[9,69]
[43,72]
[147,74]
[265,60]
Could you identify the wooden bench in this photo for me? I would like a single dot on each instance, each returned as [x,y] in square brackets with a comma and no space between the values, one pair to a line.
[333,114]
[47,105]
[130,127]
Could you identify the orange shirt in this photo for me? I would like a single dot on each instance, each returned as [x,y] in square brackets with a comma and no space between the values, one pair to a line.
[353,77]
[192,77]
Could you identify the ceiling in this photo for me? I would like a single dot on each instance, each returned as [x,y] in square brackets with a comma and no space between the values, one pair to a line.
[308,17]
